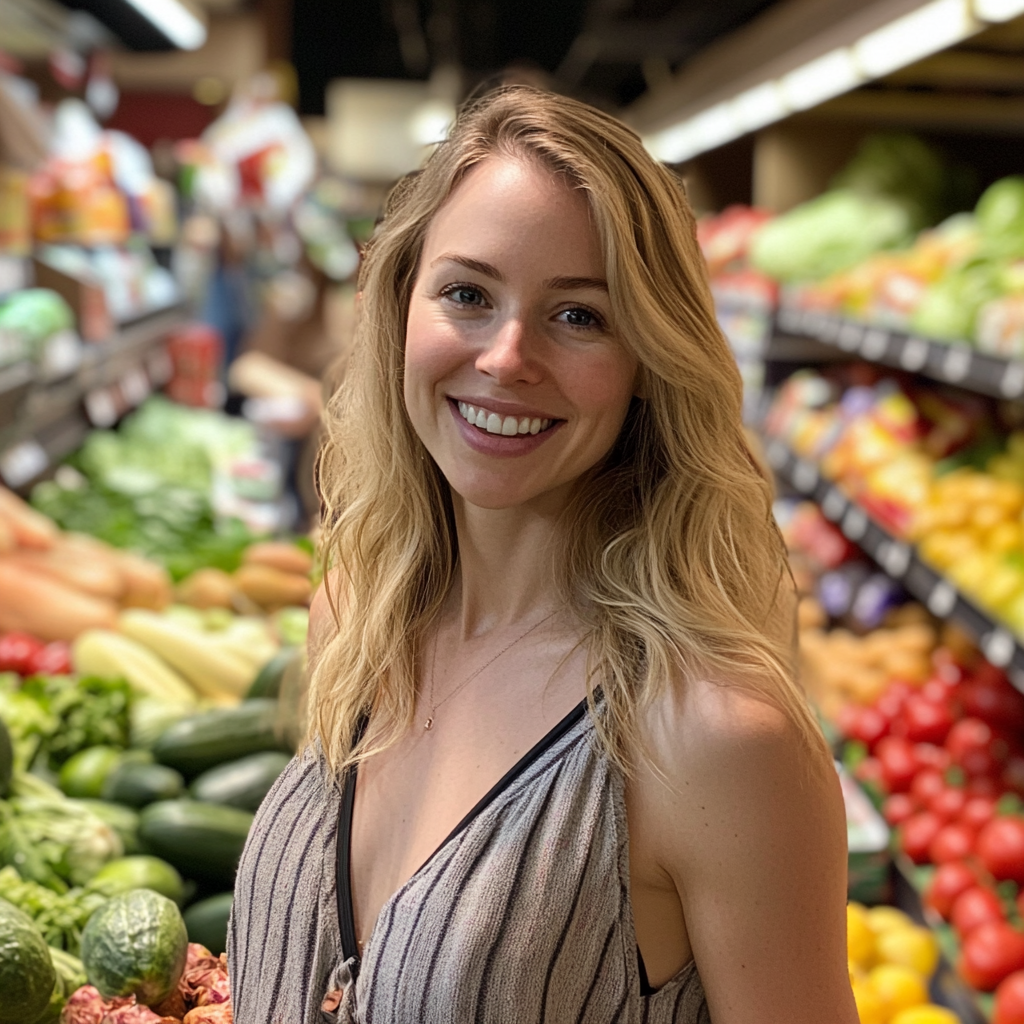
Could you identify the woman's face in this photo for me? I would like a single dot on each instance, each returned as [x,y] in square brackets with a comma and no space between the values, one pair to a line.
[514,377]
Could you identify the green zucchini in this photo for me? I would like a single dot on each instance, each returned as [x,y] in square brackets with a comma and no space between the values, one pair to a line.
[268,682]
[207,922]
[242,783]
[203,841]
[202,741]
[6,760]
[136,785]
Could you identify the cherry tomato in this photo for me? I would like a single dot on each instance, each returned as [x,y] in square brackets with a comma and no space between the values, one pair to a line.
[898,807]
[974,747]
[52,660]
[899,765]
[1000,706]
[952,842]
[991,952]
[978,811]
[917,833]
[949,804]
[17,651]
[948,882]
[1000,847]
[926,721]
[973,907]
[1009,1005]
[928,783]
[890,704]
[937,689]
[931,756]
[983,785]
[865,725]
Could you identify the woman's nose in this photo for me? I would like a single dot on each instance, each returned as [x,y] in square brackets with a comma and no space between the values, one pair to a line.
[512,354]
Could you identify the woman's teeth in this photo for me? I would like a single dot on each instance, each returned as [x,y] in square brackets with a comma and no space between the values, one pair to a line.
[508,426]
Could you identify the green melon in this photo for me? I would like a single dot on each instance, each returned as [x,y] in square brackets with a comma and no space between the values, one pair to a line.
[135,944]
[27,977]
[139,872]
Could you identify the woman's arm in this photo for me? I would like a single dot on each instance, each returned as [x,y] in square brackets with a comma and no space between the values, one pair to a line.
[750,826]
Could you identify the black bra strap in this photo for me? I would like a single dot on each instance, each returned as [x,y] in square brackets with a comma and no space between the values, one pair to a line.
[349,943]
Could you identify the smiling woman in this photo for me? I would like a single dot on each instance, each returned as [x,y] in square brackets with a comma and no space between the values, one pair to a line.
[558,768]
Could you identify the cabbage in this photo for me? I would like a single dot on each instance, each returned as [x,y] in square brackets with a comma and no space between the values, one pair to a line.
[949,307]
[1000,214]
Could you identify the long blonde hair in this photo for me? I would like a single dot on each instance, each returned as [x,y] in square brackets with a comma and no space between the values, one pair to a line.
[673,562]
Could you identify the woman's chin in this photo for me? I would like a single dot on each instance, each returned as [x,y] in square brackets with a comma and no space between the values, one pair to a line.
[500,494]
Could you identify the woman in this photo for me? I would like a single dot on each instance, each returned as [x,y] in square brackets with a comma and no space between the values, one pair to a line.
[557,763]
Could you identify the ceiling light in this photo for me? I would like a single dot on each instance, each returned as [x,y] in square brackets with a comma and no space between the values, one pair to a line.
[821,79]
[431,121]
[174,20]
[921,33]
[707,130]
[760,106]
[998,10]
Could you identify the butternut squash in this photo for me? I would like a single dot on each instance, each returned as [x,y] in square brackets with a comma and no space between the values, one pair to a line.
[36,603]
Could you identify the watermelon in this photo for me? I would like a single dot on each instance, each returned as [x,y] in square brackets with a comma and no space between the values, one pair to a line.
[27,976]
[135,944]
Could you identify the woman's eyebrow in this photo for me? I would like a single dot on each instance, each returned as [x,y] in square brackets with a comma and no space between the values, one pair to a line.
[571,284]
[470,264]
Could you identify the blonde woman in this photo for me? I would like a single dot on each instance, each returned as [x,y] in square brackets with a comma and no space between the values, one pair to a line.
[558,769]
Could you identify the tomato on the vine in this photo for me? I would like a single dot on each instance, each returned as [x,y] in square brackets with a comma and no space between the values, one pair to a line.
[948,882]
[917,833]
[973,907]
[1000,847]
[991,952]
[1009,1004]
[951,843]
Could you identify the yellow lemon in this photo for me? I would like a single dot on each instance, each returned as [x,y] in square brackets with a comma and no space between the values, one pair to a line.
[870,1007]
[898,987]
[927,1014]
[912,947]
[884,919]
[860,940]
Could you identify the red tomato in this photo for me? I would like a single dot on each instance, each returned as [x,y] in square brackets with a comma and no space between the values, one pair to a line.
[870,771]
[917,833]
[991,952]
[1000,847]
[952,842]
[937,689]
[973,907]
[999,705]
[1012,776]
[978,811]
[974,747]
[890,704]
[928,783]
[949,804]
[17,651]
[52,660]
[898,807]
[866,725]
[983,785]
[899,765]
[948,882]
[930,756]
[926,721]
[1009,1005]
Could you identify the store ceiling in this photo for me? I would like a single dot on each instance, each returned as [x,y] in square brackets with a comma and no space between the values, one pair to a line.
[605,51]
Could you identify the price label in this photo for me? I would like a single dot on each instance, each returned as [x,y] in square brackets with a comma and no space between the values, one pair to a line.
[942,599]
[833,506]
[957,363]
[101,408]
[23,461]
[998,647]
[855,523]
[777,454]
[850,336]
[914,354]
[895,559]
[135,386]
[874,344]
[1012,382]
[805,476]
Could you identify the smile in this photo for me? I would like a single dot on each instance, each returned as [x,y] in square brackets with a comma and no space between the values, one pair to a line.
[507,426]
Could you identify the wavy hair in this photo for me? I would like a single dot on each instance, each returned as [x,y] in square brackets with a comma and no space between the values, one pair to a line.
[672,560]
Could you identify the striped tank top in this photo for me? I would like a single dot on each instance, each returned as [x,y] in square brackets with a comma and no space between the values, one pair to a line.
[522,914]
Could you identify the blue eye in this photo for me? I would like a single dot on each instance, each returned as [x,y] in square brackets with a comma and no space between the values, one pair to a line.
[581,317]
[464,295]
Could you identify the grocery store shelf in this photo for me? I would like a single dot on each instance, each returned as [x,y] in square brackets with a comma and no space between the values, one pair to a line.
[948,362]
[43,422]
[899,560]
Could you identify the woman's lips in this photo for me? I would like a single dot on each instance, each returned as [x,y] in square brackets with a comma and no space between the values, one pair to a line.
[498,444]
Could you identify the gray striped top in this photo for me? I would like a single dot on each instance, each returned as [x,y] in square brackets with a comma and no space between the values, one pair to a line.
[521,915]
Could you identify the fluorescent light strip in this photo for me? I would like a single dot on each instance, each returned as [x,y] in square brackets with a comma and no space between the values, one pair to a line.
[929,29]
[998,10]
[821,80]
[174,20]
[762,105]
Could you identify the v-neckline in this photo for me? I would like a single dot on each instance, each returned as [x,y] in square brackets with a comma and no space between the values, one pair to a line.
[346,912]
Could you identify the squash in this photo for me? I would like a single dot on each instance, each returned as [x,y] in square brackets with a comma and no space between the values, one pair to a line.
[32,602]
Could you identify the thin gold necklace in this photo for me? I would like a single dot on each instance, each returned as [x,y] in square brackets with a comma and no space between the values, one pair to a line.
[429,723]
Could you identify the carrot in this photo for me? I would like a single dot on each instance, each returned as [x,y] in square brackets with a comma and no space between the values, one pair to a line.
[32,602]
[31,529]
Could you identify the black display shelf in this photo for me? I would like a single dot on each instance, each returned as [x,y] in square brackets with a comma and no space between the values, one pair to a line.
[899,560]
[949,362]
[43,422]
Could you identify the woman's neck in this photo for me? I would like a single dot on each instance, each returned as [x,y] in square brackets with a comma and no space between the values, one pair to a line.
[507,565]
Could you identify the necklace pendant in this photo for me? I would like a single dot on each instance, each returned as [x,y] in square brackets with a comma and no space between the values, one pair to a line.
[429,723]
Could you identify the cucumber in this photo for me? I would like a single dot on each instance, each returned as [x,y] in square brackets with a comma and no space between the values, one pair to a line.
[207,922]
[136,785]
[6,760]
[202,741]
[203,841]
[242,783]
[268,682]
